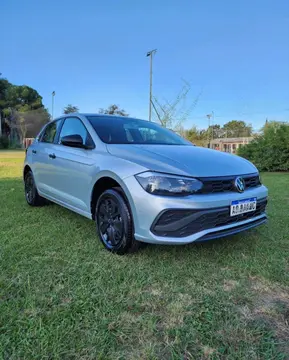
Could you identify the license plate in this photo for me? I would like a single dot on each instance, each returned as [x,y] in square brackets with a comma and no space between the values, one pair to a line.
[243,206]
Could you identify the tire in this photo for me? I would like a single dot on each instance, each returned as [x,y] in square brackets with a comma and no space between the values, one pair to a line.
[114,222]
[31,194]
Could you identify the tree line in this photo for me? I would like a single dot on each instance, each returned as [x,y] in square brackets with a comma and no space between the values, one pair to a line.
[22,113]
[231,129]
[111,110]
[202,137]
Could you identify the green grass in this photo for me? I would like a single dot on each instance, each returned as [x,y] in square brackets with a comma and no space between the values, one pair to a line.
[62,296]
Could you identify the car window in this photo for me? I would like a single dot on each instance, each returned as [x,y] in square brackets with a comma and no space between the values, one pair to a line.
[50,131]
[117,130]
[151,135]
[74,126]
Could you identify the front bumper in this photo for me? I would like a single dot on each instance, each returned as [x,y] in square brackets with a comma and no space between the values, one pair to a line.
[146,210]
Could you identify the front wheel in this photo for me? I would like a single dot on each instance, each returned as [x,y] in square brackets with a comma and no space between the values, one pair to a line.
[31,194]
[114,222]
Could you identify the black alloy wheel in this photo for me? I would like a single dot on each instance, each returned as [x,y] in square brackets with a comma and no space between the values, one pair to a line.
[111,225]
[114,222]
[31,194]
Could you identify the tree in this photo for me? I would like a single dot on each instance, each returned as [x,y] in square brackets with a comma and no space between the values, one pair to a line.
[70,109]
[237,128]
[197,137]
[23,98]
[212,132]
[35,120]
[20,98]
[16,99]
[172,114]
[113,110]
[27,124]
[215,131]
[4,85]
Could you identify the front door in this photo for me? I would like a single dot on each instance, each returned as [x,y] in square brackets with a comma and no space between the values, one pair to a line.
[42,164]
[72,167]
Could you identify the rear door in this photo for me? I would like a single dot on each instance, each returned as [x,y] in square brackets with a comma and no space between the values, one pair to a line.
[72,167]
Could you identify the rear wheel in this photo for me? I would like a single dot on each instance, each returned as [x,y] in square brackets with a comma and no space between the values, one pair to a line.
[114,222]
[31,194]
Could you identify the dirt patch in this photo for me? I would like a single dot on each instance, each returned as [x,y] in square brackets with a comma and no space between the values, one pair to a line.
[270,307]
[186,299]
[230,285]
[226,268]
[174,312]
[66,301]
[171,309]
[208,351]
[156,292]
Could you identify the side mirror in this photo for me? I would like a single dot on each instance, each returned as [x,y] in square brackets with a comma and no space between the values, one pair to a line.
[72,141]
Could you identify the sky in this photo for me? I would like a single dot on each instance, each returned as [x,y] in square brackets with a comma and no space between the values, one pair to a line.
[92,53]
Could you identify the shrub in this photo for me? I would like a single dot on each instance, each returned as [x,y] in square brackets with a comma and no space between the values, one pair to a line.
[4,142]
[270,150]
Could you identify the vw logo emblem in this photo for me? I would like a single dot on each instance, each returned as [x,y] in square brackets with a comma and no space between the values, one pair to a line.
[240,184]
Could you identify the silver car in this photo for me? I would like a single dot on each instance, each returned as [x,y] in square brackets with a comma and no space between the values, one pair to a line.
[141,182]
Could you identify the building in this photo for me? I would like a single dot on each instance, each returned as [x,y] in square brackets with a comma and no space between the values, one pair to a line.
[230,145]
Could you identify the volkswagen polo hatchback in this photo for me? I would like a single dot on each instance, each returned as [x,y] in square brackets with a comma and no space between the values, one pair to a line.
[141,182]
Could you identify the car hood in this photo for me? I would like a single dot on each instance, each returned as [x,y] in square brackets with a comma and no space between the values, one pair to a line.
[183,159]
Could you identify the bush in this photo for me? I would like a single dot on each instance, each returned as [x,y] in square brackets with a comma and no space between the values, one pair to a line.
[270,150]
[4,142]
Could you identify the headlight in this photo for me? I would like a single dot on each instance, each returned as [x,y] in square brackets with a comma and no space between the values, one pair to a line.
[168,185]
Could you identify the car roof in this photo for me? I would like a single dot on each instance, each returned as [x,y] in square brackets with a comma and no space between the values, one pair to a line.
[98,115]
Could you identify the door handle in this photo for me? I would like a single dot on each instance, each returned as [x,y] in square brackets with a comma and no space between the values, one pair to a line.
[34,151]
[52,156]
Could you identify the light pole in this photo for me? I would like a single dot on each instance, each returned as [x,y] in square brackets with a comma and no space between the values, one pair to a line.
[213,123]
[150,54]
[209,116]
[52,104]
[209,129]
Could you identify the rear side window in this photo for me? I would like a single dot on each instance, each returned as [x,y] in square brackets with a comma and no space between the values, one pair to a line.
[50,131]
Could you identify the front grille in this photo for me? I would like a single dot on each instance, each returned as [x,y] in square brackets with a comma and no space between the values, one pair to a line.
[181,223]
[225,184]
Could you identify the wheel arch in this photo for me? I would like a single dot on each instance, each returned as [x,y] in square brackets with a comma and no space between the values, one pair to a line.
[26,169]
[104,182]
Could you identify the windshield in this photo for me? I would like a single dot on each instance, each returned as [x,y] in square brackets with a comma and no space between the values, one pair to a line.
[122,130]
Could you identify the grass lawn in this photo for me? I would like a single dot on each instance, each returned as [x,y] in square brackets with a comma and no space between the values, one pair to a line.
[62,296]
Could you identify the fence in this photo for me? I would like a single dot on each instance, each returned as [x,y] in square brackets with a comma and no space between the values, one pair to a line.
[27,142]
